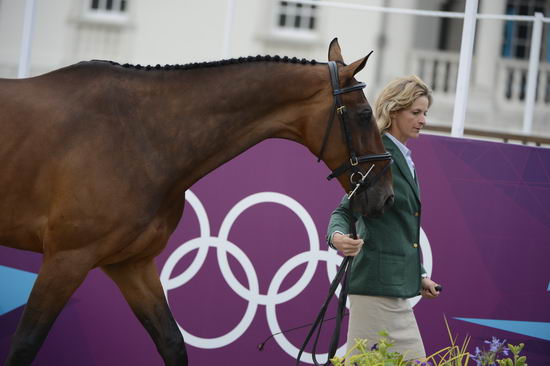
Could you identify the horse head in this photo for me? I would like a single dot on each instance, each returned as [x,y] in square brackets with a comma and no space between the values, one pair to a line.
[357,156]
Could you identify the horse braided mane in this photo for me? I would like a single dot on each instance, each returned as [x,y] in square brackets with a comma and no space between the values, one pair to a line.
[199,65]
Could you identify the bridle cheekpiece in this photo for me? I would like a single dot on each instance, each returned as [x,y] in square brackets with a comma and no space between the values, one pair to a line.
[357,178]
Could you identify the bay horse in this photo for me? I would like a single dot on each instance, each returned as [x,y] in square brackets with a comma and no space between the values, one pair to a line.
[97,156]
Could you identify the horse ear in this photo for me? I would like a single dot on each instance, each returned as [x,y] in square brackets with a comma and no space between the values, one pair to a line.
[334,51]
[358,65]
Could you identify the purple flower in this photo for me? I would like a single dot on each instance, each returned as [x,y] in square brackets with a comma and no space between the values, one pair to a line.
[477,357]
[374,347]
[495,345]
[489,357]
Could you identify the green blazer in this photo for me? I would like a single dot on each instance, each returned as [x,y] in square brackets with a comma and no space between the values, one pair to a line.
[389,262]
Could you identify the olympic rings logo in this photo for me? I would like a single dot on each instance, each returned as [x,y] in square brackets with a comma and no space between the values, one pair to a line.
[252,294]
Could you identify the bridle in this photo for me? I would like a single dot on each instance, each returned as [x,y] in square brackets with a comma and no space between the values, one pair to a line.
[361,183]
[357,177]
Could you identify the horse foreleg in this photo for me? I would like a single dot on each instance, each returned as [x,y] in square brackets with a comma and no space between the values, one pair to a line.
[141,287]
[59,276]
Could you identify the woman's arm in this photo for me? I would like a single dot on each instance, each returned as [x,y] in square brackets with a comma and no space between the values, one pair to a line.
[338,226]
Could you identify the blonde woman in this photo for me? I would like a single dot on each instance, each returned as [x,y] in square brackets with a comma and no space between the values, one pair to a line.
[387,268]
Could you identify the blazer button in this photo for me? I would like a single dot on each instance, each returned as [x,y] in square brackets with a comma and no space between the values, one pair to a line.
[415,245]
[416,213]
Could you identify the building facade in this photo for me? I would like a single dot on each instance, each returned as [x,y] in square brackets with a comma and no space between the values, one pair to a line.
[178,32]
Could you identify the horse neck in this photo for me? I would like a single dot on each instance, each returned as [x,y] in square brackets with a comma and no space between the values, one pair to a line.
[209,116]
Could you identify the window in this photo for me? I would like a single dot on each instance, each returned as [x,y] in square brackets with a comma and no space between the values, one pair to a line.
[297,16]
[294,22]
[517,45]
[109,5]
[517,35]
[106,11]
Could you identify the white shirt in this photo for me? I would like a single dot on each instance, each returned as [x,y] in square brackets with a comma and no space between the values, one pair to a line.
[404,150]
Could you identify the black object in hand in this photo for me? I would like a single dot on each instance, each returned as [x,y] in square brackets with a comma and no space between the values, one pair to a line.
[439,288]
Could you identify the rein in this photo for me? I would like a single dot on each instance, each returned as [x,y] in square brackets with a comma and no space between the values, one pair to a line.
[341,278]
[359,179]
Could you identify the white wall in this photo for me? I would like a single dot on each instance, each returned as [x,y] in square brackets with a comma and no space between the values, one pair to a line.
[400,40]
[175,31]
[426,29]
[11,30]
[183,31]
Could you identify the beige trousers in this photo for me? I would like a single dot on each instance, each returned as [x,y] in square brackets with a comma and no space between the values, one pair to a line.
[372,314]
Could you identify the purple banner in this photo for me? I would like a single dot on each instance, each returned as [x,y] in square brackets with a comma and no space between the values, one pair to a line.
[249,259]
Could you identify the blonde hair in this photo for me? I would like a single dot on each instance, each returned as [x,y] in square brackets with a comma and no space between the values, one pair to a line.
[399,94]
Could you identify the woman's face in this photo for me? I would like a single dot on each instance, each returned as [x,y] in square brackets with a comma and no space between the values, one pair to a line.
[408,122]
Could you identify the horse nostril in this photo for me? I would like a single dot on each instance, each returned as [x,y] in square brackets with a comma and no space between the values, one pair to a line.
[389,201]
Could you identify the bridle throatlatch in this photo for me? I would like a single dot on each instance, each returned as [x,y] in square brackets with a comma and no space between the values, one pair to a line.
[359,179]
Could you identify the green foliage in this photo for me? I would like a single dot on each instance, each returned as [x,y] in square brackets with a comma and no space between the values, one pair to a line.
[517,360]
[380,354]
[497,354]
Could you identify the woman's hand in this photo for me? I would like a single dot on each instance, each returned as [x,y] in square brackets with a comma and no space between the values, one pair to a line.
[428,289]
[348,246]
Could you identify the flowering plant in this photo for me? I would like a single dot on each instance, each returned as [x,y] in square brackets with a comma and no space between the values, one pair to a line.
[497,349]
[380,355]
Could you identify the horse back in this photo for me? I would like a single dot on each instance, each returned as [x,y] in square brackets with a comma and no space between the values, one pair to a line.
[63,153]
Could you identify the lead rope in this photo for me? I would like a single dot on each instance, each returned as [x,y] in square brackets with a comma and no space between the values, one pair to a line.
[342,277]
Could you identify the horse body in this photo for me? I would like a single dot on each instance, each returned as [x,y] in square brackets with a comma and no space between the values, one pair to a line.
[96,159]
[94,145]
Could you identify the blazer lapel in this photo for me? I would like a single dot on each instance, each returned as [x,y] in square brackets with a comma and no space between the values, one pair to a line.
[401,163]
[417,183]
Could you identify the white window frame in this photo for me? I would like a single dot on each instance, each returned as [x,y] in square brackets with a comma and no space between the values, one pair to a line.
[514,41]
[289,32]
[113,16]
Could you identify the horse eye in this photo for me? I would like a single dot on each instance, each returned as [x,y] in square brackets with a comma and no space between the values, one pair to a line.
[365,116]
